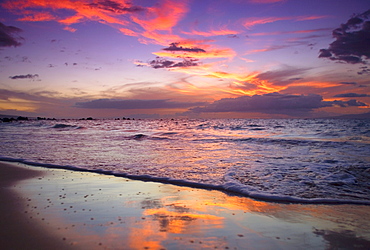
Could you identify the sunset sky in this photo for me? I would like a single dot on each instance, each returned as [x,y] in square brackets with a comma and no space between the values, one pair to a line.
[178,58]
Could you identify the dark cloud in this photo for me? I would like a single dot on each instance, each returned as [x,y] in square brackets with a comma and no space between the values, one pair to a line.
[7,36]
[160,63]
[28,76]
[350,103]
[352,95]
[364,71]
[113,6]
[176,47]
[348,83]
[352,41]
[274,103]
[135,104]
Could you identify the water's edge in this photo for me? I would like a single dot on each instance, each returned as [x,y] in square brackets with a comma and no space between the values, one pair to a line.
[227,188]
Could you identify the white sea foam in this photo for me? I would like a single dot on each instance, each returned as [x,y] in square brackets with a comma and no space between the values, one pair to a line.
[290,160]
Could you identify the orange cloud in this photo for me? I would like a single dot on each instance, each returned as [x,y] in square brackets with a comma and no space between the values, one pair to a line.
[247,84]
[238,84]
[38,17]
[70,29]
[84,10]
[146,23]
[158,38]
[214,53]
[317,84]
[164,16]
[128,32]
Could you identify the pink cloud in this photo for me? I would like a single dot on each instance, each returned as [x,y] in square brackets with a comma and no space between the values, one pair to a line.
[252,21]
[220,32]
[164,16]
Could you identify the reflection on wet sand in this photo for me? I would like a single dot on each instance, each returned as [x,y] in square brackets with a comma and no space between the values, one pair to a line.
[100,212]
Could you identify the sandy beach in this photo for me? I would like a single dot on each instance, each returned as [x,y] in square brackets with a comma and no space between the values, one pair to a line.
[46,208]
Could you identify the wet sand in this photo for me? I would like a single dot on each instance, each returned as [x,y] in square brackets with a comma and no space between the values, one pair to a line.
[45,208]
[17,229]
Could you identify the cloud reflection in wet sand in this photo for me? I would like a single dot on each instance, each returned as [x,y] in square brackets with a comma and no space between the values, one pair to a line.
[100,211]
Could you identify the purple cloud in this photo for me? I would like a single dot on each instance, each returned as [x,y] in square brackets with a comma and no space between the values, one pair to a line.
[7,36]
[364,71]
[274,103]
[348,83]
[352,95]
[176,47]
[352,41]
[283,76]
[113,6]
[28,76]
[160,63]
[135,104]
[350,103]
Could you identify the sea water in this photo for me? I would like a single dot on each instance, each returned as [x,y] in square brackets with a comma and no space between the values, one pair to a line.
[294,160]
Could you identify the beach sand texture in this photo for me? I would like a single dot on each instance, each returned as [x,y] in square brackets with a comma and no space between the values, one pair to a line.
[44,208]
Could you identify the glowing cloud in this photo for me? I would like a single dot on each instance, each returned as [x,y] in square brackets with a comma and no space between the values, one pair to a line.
[163,17]
[122,15]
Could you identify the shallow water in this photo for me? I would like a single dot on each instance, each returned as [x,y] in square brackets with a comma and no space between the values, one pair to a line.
[303,160]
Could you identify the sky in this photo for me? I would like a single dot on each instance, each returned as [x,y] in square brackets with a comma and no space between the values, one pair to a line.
[184,58]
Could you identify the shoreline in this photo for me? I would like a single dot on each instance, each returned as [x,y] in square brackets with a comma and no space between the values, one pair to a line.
[231,189]
[17,229]
[74,210]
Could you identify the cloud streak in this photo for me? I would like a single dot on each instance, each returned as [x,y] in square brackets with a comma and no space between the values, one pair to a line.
[352,95]
[135,104]
[272,103]
[275,103]
[253,21]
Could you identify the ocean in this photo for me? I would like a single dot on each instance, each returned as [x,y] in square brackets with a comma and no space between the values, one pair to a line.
[289,160]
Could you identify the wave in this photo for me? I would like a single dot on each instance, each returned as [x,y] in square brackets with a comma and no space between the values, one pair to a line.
[66,126]
[231,185]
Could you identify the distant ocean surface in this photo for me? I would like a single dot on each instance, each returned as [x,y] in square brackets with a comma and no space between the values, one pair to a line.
[295,160]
